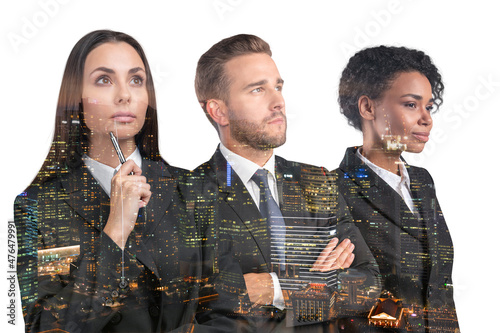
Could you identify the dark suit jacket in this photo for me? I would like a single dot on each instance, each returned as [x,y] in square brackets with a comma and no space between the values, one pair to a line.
[241,236]
[414,252]
[73,210]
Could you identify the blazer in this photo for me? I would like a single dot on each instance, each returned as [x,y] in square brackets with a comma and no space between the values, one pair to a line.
[414,251]
[84,291]
[307,197]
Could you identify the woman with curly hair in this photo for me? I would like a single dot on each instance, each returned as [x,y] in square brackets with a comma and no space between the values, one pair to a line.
[390,93]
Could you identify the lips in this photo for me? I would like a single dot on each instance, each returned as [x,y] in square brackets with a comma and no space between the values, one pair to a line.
[421,136]
[123,117]
[277,120]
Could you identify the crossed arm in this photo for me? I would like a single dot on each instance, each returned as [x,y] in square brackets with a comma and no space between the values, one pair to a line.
[260,286]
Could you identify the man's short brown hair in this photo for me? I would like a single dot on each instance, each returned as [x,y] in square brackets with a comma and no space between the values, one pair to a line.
[211,80]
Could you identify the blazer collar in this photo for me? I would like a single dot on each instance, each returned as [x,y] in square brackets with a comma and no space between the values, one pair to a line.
[376,191]
[220,166]
[358,172]
[88,199]
[285,175]
[163,185]
[84,191]
[366,180]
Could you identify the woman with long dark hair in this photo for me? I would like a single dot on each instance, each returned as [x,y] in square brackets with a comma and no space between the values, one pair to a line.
[102,244]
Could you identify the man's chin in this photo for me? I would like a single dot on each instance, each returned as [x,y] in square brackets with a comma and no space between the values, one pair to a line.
[270,144]
[265,147]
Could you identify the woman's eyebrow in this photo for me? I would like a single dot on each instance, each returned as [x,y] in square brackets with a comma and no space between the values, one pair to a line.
[417,97]
[103,69]
[111,71]
[135,70]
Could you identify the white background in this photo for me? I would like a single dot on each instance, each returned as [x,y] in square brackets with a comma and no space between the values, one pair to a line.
[311,42]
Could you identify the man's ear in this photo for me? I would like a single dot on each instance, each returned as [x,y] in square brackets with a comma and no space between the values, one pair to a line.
[366,107]
[217,110]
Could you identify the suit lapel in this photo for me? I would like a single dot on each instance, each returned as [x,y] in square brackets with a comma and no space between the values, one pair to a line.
[89,200]
[379,195]
[288,178]
[437,232]
[235,194]
[422,195]
[284,180]
[371,188]
[86,197]
[163,185]
[162,188]
[416,223]
[423,199]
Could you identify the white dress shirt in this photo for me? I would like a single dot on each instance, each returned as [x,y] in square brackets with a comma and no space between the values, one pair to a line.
[400,184]
[103,173]
[245,169]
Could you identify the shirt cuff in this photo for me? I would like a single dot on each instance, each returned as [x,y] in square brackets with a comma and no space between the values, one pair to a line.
[278,300]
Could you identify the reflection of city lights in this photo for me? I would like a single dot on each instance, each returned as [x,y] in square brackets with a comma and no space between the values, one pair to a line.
[57,260]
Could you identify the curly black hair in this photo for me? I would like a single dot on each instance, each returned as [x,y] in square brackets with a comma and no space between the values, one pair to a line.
[371,72]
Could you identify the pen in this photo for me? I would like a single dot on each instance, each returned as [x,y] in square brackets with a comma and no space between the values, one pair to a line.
[117,148]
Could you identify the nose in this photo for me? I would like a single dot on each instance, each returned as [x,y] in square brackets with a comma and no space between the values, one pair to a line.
[425,117]
[278,102]
[122,95]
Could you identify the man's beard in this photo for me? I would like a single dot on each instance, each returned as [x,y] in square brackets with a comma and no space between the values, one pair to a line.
[252,134]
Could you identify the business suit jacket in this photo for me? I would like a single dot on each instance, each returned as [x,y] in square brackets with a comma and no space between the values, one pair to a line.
[241,237]
[72,209]
[414,251]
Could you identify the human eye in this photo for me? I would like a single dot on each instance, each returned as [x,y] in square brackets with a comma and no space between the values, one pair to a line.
[257,90]
[430,107]
[412,105]
[103,80]
[279,88]
[137,80]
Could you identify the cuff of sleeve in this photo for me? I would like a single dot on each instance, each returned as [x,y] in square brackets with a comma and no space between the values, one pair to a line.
[116,272]
[278,300]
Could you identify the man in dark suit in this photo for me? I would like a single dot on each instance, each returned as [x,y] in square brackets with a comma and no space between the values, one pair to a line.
[261,199]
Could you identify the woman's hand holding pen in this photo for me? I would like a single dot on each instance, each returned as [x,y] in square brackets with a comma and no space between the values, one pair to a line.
[129,193]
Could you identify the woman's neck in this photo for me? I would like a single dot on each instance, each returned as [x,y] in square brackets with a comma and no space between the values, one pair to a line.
[388,160]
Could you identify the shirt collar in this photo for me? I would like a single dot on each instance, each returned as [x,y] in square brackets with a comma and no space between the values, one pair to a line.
[104,173]
[392,179]
[245,168]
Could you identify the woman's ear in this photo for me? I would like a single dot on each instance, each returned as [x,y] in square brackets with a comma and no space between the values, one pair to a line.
[217,110]
[366,107]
